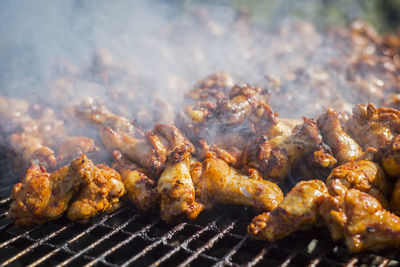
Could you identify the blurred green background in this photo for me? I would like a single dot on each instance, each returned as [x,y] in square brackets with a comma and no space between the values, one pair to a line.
[384,15]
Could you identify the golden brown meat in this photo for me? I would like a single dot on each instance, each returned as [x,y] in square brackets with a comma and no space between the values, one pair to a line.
[140,188]
[116,132]
[42,196]
[363,175]
[100,190]
[359,219]
[299,209]
[395,201]
[176,189]
[275,158]
[371,126]
[30,149]
[212,87]
[216,181]
[390,157]
[244,100]
[344,148]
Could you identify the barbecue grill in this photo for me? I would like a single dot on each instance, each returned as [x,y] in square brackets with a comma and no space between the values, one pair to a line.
[131,237]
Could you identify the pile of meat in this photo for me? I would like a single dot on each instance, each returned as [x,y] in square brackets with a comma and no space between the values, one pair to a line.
[225,144]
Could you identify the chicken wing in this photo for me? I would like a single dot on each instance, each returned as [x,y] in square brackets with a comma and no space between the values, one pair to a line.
[363,175]
[176,189]
[274,158]
[140,188]
[43,196]
[359,219]
[371,126]
[216,181]
[390,157]
[100,190]
[344,148]
[149,151]
[299,209]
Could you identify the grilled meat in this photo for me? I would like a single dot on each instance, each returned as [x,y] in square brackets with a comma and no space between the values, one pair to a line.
[140,188]
[41,196]
[359,219]
[299,209]
[363,175]
[216,181]
[176,189]
[344,148]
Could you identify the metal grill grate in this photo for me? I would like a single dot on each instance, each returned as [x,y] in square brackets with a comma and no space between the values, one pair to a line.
[130,237]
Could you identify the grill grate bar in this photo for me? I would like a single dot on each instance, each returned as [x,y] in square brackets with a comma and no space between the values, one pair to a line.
[288,259]
[209,244]
[99,241]
[124,242]
[383,262]
[258,257]
[351,262]
[4,214]
[185,243]
[318,259]
[5,226]
[5,243]
[36,244]
[5,200]
[65,245]
[227,257]
[163,239]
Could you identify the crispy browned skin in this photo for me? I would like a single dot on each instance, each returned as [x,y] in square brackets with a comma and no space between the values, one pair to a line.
[100,190]
[363,175]
[395,201]
[29,148]
[359,219]
[299,209]
[140,188]
[217,181]
[390,157]
[149,151]
[344,148]
[176,189]
[371,126]
[41,196]
[274,158]
[212,87]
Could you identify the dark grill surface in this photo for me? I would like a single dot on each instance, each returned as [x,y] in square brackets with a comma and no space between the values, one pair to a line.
[130,237]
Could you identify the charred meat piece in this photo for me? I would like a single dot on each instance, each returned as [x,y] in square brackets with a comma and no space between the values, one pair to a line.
[299,209]
[359,219]
[214,86]
[371,126]
[344,148]
[100,190]
[176,189]
[149,151]
[140,188]
[276,157]
[216,181]
[41,196]
[363,175]
[390,157]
